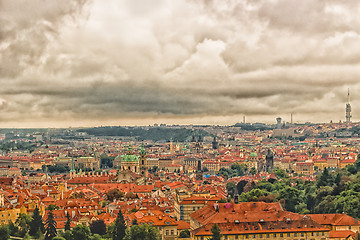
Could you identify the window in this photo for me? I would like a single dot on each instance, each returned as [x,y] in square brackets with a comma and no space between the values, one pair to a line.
[167,232]
[317,234]
[246,236]
[323,233]
[302,234]
[295,234]
[281,235]
[274,234]
[312,233]
[288,234]
[172,232]
[225,236]
[193,208]
[267,235]
[236,236]
[254,236]
[260,235]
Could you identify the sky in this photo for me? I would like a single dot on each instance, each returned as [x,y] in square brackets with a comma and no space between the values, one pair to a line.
[136,62]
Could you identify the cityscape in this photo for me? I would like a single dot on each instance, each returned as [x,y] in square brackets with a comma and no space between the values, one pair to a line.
[179,120]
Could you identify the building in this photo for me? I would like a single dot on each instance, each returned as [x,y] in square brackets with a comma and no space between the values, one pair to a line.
[254,220]
[130,161]
[269,160]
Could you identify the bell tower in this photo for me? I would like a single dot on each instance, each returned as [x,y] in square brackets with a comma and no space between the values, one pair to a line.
[143,164]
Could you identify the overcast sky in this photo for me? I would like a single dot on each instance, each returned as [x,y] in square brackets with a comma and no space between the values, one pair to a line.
[126,62]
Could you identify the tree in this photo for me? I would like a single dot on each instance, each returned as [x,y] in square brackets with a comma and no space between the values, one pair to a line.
[22,222]
[98,227]
[50,226]
[68,221]
[216,232]
[80,232]
[13,229]
[66,234]
[52,207]
[120,227]
[4,232]
[134,222]
[37,224]
[114,194]
[291,196]
[184,234]
[142,232]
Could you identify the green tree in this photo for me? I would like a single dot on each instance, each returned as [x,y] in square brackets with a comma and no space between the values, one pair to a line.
[120,227]
[68,222]
[66,235]
[216,233]
[142,232]
[134,222]
[184,234]
[80,232]
[98,227]
[22,222]
[37,224]
[114,194]
[50,226]
[291,196]
[4,232]
[13,229]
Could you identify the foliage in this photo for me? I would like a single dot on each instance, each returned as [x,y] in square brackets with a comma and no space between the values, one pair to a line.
[66,234]
[235,171]
[37,224]
[4,232]
[114,194]
[22,222]
[119,228]
[68,222]
[80,232]
[184,234]
[153,133]
[142,232]
[50,226]
[52,207]
[98,227]
[107,161]
[216,233]
[56,168]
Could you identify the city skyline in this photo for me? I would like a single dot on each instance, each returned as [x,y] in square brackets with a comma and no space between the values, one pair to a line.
[91,63]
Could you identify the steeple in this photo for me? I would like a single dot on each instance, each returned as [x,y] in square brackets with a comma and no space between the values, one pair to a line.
[72,170]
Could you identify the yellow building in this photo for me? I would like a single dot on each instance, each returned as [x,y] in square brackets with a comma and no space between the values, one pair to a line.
[7,215]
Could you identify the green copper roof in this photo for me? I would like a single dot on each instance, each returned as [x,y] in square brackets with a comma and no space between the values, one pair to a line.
[253,154]
[129,158]
[142,150]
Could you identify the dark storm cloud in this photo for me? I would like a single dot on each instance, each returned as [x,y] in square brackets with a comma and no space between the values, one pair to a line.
[78,60]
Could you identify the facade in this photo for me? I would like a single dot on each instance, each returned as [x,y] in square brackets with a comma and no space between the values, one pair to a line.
[130,161]
[254,220]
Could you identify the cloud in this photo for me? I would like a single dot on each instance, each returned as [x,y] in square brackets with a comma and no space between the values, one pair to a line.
[178,61]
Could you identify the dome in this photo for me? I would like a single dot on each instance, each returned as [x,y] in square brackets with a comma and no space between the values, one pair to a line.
[253,154]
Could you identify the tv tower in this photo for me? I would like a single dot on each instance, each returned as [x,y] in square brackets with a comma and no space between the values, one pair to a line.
[348,109]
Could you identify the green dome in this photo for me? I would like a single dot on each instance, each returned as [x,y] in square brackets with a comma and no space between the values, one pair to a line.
[253,154]
[129,158]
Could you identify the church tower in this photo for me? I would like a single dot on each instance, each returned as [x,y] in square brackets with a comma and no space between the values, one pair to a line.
[269,160]
[199,172]
[72,170]
[348,109]
[143,165]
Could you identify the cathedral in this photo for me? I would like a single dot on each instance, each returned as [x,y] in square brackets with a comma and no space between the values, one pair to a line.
[134,163]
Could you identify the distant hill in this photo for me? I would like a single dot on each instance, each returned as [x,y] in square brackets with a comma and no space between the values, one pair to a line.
[153,133]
